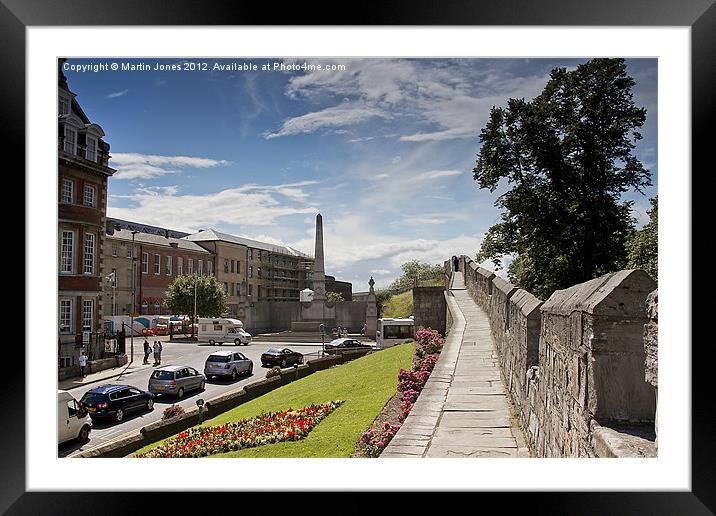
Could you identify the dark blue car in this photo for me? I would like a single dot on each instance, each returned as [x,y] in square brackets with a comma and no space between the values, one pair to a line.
[114,401]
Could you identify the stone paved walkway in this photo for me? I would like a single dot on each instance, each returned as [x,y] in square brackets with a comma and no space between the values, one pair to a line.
[464,410]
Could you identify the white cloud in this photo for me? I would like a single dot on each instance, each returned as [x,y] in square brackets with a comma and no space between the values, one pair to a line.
[337,116]
[250,205]
[146,166]
[116,94]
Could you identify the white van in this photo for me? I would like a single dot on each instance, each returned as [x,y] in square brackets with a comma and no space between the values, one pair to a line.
[73,422]
[218,330]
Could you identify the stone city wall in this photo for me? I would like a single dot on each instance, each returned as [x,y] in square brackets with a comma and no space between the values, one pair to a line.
[430,308]
[575,362]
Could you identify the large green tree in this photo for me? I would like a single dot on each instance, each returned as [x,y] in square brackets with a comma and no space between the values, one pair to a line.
[210,296]
[643,244]
[415,271]
[564,158]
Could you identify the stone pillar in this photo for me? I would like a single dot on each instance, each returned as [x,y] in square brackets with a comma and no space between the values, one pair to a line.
[651,349]
[371,312]
[319,271]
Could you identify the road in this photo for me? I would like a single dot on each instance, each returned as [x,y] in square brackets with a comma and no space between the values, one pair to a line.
[174,353]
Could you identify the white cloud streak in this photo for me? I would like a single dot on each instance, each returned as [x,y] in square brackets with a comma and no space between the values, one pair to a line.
[147,166]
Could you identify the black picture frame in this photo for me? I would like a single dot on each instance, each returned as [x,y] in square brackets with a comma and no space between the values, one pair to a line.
[700,15]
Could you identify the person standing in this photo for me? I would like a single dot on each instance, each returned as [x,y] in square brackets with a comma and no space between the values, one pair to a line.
[159,357]
[156,352]
[83,363]
[147,351]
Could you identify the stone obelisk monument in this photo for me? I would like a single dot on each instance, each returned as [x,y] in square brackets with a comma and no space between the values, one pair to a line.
[319,271]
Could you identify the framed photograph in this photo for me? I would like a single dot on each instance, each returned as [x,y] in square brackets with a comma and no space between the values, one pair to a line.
[237,188]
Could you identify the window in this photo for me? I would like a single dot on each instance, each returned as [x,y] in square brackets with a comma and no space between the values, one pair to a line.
[258,292]
[89,196]
[226,265]
[169,265]
[87,313]
[180,266]
[157,308]
[114,277]
[209,267]
[64,106]
[200,267]
[238,267]
[70,140]
[232,266]
[145,263]
[238,289]
[67,252]
[157,264]
[251,289]
[65,316]
[91,152]
[259,255]
[191,266]
[250,254]
[226,288]
[129,251]
[258,272]
[89,254]
[66,361]
[114,248]
[68,187]
[144,308]
[231,289]
[251,271]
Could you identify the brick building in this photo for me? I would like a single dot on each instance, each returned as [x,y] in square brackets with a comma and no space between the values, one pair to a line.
[83,172]
[255,271]
[160,259]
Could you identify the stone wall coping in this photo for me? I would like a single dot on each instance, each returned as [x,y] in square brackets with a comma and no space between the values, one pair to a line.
[589,297]
[526,302]
[504,286]
[489,275]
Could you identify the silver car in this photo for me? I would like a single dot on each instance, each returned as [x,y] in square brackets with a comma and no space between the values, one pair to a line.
[228,363]
[176,380]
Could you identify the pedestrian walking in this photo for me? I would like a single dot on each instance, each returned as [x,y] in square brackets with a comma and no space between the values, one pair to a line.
[83,363]
[364,329]
[147,351]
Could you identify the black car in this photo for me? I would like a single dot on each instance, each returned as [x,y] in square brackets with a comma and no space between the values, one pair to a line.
[114,401]
[344,344]
[281,357]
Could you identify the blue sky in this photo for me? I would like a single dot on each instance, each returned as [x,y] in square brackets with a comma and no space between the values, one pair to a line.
[383,148]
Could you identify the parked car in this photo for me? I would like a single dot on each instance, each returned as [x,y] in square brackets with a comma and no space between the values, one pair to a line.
[73,421]
[227,363]
[338,345]
[113,401]
[280,356]
[175,380]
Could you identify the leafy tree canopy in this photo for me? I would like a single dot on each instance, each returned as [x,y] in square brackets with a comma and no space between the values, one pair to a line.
[564,160]
[381,298]
[210,296]
[417,271]
[334,297]
[643,245]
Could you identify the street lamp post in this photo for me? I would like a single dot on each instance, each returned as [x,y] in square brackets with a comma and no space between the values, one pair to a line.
[134,296]
[194,322]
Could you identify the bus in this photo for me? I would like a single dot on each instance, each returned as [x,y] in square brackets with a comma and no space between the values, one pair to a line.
[394,331]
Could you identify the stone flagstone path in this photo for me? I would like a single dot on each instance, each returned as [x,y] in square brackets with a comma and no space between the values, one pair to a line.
[464,409]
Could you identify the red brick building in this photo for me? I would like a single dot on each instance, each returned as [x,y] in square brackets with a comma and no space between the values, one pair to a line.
[160,259]
[83,172]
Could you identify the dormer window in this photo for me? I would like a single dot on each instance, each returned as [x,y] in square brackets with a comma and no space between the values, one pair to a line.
[70,140]
[64,106]
[91,153]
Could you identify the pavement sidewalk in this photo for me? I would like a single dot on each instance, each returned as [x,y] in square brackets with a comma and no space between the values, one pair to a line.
[464,409]
[99,376]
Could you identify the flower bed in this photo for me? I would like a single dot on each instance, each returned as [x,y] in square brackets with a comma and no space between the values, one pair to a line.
[428,344]
[274,427]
